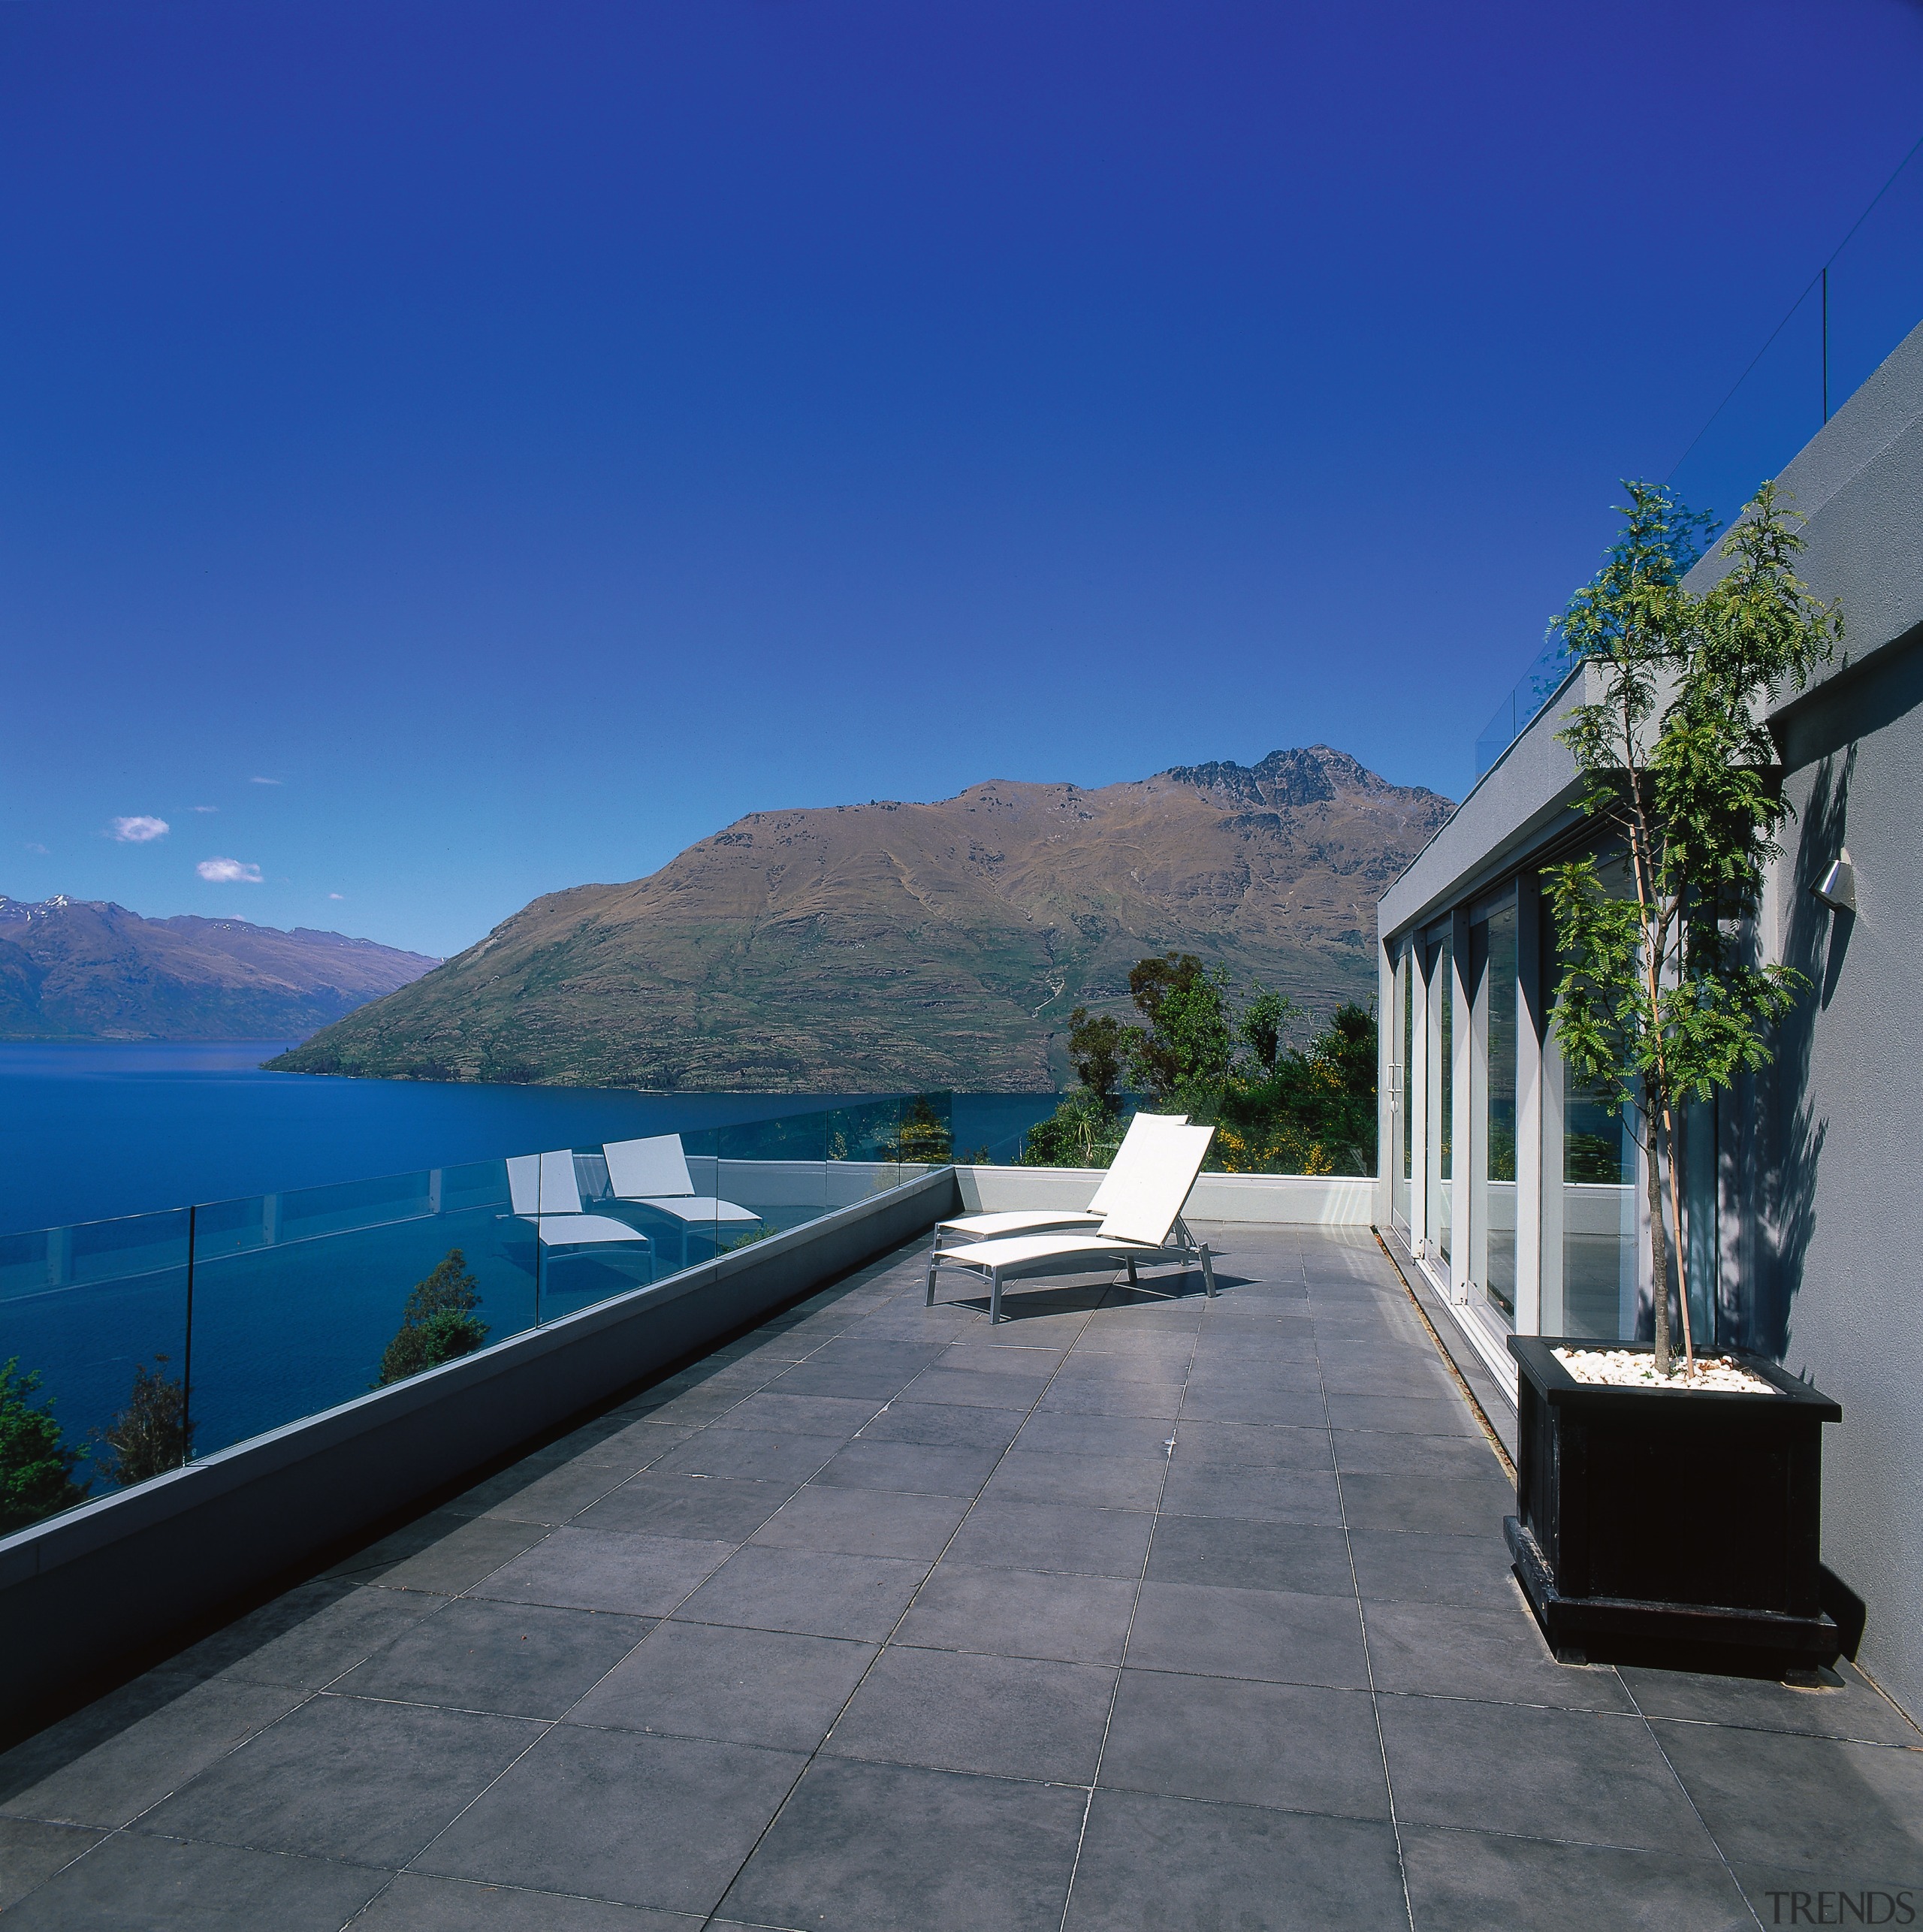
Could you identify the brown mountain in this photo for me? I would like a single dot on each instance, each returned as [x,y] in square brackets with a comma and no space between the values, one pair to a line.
[885,945]
[87,969]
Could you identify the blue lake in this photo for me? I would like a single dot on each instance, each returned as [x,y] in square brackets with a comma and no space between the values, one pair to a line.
[89,1130]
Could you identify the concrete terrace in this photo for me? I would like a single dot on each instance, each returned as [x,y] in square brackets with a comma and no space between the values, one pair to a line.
[879,1618]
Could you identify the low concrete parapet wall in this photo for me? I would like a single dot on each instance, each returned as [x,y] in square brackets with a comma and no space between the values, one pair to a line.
[1316,1200]
[118,1577]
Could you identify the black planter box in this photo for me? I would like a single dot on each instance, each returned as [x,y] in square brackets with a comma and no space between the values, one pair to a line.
[1672,1527]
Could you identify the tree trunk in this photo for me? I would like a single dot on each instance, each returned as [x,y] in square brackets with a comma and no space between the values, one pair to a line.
[1659,1244]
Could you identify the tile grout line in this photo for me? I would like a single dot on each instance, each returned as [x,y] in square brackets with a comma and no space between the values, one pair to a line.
[1368,1658]
[842,1711]
[1134,1604]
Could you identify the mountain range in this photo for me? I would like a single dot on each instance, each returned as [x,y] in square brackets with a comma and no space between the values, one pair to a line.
[892,945]
[88,969]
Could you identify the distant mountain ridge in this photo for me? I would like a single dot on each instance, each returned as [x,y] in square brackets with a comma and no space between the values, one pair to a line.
[893,945]
[88,969]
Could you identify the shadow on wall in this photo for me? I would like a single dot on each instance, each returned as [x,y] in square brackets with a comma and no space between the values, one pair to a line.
[1815,943]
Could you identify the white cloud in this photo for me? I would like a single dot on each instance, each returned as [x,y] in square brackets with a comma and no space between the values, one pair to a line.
[207,808]
[139,830]
[41,848]
[337,896]
[263,781]
[228,872]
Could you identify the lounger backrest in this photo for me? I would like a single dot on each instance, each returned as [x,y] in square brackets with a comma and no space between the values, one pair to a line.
[644,1170]
[1143,1135]
[544,1183]
[1158,1191]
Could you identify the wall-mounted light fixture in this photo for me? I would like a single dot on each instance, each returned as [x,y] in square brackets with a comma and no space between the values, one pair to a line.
[1836,888]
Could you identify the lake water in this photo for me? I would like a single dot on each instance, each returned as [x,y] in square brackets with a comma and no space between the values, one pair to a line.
[90,1129]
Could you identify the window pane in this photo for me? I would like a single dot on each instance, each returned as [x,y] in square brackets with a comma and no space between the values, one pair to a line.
[1494,1214]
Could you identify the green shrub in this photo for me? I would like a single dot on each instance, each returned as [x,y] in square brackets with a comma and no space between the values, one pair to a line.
[152,1434]
[36,1467]
[439,1323]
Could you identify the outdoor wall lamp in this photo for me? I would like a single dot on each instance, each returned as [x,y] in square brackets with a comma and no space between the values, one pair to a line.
[1836,888]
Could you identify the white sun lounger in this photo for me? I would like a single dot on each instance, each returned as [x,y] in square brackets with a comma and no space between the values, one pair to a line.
[544,1190]
[1137,1144]
[1146,1226]
[653,1173]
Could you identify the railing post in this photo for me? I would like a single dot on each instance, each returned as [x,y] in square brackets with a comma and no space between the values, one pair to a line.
[187,1360]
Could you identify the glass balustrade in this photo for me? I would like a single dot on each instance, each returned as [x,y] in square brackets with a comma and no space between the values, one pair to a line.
[134,1343]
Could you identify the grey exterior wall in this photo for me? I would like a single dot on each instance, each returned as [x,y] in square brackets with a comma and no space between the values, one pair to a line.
[1823,1210]
[114,1578]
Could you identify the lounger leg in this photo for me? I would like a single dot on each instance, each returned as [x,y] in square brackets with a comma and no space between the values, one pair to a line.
[934,1260]
[994,1296]
[1208,1271]
[1128,1262]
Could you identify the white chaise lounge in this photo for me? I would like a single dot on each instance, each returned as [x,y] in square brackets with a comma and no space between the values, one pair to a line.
[653,1173]
[543,1189]
[1144,1225]
[1144,1134]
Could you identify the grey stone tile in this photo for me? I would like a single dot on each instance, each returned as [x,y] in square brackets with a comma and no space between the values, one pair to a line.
[620,1815]
[1276,1636]
[919,1467]
[1070,1619]
[1107,1395]
[441,1554]
[787,1411]
[1270,1495]
[31,1852]
[1310,1559]
[709,1509]
[1404,1415]
[1017,1717]
[344,1778]
[945,1425]
[1847,1707]
[974,1388]
[818,1593]
[1440,1458]
[1586,1776]
[1243,1366]
[1446,1649]
[1101,1482]
[310,1635]
[1005,1356]
[1295,1747]
[413,1903]
[750,1455]
[1418,1569]
[847,1381]
[134,1884]
[740,1686]
[1158,1369]
[1248,1445]
[106,1764]
[631,1574]
[1051,1434]
[1365,1369]
[1772,1798]
[1470,1881]
[999,1535]
[885,1846]
[1431,1505]
[556,1495]
[1154,1864]
[522,1660]
[1210,1401]
[864,1523]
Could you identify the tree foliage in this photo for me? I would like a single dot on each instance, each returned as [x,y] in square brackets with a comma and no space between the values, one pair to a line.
[36,1466]
[152,1434]
[439,1323]
[1098,1050]
[1658,1004]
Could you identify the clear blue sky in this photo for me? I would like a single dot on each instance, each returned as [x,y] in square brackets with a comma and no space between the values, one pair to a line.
[531,435]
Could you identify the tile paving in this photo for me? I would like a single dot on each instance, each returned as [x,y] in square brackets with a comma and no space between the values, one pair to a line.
[1139,1611]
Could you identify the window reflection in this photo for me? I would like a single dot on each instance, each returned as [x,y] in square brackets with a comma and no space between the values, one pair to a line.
[1493,1208]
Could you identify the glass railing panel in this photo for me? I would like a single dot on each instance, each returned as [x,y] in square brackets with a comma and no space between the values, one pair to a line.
[861,1142]
[776,1170]
[93,1327]
[925,1139]
[362,1285]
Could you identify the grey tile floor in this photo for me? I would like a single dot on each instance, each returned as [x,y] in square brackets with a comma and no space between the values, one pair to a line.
[1136,1611]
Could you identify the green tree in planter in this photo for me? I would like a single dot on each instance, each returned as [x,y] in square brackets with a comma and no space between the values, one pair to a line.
[1658,1005]
[1098,1049]
[1188,1046]
[438,1323]
[36,1467]
[152,1434]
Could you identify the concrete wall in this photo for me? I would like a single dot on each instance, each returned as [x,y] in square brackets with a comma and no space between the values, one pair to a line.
[1316,1200]
[113,1578]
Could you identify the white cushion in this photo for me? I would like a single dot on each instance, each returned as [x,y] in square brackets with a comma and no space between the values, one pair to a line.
[643,1170]
[1160,1187]
[1145,1132]
[694,1207]
[571,1231]
[544,1183]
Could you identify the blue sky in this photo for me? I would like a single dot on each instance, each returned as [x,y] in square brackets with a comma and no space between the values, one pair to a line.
[452,452]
